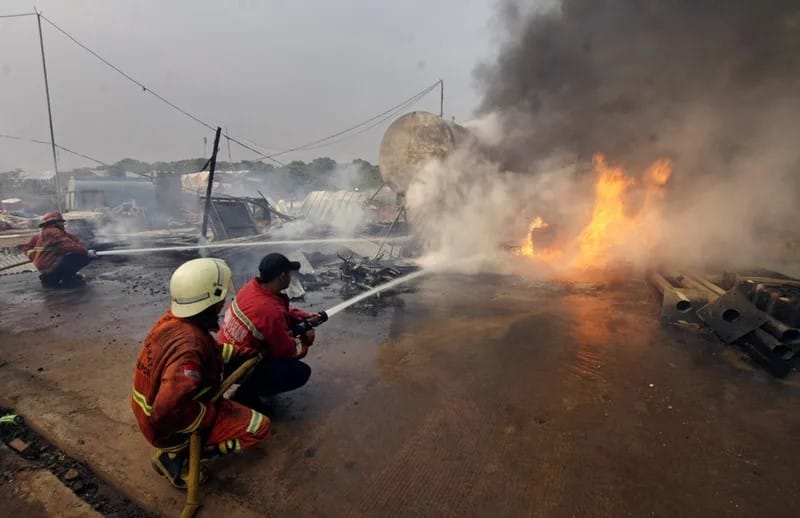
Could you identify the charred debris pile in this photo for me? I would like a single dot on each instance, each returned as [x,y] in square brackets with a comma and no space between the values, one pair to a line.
[335,272]
[133,204]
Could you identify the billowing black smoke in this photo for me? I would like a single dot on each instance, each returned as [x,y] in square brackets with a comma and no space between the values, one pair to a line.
[703,82]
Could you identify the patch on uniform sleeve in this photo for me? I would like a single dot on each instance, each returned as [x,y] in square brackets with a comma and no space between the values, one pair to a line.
[192,370]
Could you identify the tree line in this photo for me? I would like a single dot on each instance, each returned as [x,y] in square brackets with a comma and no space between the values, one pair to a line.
[318,174]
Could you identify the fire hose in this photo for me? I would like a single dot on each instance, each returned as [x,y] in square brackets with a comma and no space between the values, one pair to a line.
[9,266]
[196,442]
[302,327]
[92,255]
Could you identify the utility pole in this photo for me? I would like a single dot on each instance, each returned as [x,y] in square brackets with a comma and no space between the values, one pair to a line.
[212,166]
[49,113]
[441,97]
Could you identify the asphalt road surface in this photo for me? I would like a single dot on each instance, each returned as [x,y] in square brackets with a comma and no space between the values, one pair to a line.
[472,396]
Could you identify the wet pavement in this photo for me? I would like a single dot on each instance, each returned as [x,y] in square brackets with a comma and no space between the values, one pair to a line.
[473,396]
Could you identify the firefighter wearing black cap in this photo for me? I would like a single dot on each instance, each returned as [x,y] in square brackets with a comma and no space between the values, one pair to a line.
[260,320]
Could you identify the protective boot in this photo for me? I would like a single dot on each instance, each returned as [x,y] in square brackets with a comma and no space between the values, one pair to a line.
[48,281]
[73,281]
[174,466]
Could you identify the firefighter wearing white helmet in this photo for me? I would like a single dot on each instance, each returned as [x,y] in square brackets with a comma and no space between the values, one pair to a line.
[180,367]
[198,285]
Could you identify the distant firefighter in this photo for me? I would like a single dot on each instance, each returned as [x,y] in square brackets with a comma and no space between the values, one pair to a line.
[57,254]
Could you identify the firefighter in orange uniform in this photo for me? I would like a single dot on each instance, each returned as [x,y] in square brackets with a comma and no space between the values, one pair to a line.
[57,254]
[179,368]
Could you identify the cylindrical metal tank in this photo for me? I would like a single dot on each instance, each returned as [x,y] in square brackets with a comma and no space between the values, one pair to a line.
[411,141]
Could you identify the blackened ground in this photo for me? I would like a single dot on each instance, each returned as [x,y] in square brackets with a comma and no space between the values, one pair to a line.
[476,396]
[39,453]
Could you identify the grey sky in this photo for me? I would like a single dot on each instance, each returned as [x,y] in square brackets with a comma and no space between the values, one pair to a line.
[279,73]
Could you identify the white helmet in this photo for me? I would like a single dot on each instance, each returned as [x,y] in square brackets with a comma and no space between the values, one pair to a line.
[197,285]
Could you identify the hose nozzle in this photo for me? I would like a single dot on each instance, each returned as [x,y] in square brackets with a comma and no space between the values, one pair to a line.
[309,323]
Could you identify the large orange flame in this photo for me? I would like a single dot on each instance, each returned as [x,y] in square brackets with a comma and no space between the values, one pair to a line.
[608,224]
[611,224]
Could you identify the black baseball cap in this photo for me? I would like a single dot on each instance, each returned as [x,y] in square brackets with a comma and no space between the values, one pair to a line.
[272,265]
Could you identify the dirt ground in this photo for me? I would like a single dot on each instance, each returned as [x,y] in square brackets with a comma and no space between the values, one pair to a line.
[476,396]
[33,492]
[36,475]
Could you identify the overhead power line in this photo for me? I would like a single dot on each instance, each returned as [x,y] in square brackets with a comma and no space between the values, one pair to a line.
[389,116]
[20,15]
[263,152]
[62,148]
[87,157]
[379,117]
[151,91]
[126,76]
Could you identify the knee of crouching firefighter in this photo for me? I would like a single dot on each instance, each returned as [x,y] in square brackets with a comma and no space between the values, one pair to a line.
[258,430]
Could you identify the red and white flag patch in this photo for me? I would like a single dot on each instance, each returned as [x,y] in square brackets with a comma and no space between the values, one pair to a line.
[192,370]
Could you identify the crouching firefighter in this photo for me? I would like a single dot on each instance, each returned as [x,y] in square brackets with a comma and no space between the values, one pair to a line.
[179,369]
[260,321]
[57,254]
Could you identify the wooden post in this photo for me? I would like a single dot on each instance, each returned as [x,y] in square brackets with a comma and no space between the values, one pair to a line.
[441,97]
[211,167]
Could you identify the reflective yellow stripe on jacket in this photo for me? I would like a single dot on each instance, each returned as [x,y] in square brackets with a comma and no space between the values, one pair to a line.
[34,250]
[227,352]
[246,321]
[140,400]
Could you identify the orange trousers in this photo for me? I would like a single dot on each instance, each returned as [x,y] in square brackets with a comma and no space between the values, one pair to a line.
[236,427]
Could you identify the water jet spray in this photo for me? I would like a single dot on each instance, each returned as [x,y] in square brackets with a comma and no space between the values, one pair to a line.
[323,316]
[210,246]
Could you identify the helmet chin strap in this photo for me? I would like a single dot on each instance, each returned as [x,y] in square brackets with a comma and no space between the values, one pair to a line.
[208,319]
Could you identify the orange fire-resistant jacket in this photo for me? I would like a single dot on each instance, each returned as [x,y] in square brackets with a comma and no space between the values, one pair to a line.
[50,245]
[262,321]
[178,370]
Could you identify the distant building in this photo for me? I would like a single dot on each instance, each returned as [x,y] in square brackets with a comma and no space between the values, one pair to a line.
[87,195]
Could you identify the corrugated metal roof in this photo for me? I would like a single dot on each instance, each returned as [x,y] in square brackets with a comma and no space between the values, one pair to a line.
[7,260]
[327,206]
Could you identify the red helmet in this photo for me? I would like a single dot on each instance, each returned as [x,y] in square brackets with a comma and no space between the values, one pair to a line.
[52,217]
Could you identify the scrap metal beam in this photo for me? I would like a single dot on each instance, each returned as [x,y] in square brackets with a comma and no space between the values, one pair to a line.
[771,325]
[740,313]
[677,305]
